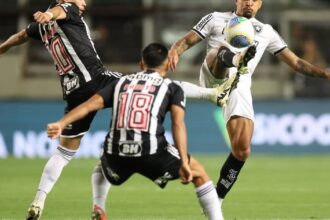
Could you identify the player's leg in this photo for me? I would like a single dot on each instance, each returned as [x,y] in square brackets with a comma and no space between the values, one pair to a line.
[226,56]
[206,193]
[240,131]
[113,170]
[69,144]
[100,190]
[51,172]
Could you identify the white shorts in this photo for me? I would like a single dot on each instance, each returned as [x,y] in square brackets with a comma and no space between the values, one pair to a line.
[240,100]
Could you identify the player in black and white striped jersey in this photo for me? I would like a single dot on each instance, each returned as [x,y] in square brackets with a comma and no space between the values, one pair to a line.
[136,141]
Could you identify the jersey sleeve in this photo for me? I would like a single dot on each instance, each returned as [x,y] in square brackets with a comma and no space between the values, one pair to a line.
[177,96]
[276,43]
[32,31]
[71,10]
[107,94]
[204,27]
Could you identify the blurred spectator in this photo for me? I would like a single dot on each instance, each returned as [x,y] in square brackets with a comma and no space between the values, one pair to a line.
[102,42]
[308,49]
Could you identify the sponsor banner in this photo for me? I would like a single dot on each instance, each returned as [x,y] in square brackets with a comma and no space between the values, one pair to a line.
[280,127]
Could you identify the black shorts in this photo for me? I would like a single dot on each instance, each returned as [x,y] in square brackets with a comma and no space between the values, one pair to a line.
[79,96]
[160,167]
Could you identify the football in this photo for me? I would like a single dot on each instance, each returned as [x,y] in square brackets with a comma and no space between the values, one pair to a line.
[239,32]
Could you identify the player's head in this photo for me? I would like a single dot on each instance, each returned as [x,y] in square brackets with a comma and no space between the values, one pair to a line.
[155,56]
[248,8]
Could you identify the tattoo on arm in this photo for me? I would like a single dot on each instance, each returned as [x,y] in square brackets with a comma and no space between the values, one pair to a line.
[185,43]
[308,69]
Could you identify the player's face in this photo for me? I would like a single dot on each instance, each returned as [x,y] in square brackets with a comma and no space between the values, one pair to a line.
[248,8]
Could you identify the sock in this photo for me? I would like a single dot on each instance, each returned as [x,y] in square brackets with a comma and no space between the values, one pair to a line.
[100,187]
[52,171]
[226,57]
[196,92]
[228,175]
[209,201]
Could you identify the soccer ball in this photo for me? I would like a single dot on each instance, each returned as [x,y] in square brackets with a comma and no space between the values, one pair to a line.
[239,32]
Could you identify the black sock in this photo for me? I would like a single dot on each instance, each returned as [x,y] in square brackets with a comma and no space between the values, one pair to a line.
[225,57]
[228,175]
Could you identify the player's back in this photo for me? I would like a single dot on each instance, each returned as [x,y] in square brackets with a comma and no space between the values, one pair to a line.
[140,103]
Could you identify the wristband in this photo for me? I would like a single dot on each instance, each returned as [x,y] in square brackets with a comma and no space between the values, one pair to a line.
[50,14]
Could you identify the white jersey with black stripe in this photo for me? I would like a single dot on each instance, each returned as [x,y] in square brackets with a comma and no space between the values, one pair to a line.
[211,27]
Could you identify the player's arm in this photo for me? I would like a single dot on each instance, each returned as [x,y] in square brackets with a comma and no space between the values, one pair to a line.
[180,139]
[96,102]
[180,46]
[302,66]
[56,13]
[14,40]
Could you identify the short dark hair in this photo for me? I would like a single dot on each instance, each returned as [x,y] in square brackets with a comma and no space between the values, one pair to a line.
[154,54]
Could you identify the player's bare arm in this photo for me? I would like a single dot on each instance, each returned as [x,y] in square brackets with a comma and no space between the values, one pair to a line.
[180,46]
[56,13]
[96,102]
[180,140]
[302,66]
[14,40]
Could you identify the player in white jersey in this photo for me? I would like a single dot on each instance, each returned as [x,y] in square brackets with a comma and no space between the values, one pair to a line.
[238,112]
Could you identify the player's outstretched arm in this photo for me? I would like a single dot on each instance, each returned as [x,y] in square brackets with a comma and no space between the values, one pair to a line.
[95,103]
[302,66]
[56,13]
[180,46]
[180,140]
[14,40]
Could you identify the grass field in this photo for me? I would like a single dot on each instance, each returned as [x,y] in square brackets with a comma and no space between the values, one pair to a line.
[270,187]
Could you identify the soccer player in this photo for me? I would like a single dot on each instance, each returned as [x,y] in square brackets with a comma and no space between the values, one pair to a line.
[136,141]
[66,36]
[238,113]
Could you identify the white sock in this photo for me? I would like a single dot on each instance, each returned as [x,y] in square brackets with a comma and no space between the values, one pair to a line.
[208,199]
[196,92]
[52,171]
[100,187]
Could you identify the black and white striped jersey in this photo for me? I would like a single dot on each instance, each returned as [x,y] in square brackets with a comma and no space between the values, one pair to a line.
[70,45]
[139,103]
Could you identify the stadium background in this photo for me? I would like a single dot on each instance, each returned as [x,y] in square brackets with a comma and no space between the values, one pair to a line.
[287,176]
[291,104]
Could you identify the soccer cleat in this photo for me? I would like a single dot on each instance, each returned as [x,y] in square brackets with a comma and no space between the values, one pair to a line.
[245,57]
[98,213]
[34,211]
[223,91]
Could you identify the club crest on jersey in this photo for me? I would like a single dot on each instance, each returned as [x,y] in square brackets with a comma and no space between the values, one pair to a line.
[130,149]
[66,5]
[257,27]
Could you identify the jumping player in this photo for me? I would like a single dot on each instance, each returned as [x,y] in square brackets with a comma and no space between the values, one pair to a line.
[238,113]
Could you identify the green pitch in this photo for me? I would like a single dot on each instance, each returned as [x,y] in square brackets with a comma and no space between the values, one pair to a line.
[270,187]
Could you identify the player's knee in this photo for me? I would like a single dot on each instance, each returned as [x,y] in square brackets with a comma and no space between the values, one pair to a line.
[199,174]
[242,153]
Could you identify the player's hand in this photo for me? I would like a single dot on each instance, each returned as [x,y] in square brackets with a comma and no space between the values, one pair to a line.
[42,17]
[185,173]
[173,59]
[54,130]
